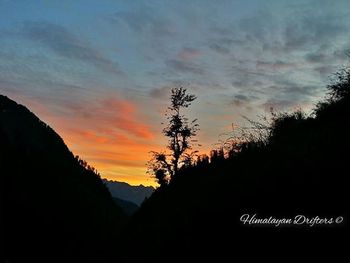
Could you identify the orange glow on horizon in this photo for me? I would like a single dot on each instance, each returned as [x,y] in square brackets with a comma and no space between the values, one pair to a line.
[113,135]
[111,138]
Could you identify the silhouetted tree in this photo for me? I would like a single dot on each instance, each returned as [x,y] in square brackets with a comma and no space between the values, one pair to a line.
[338,92]
[340,86]
[202,160]
[161,177]
[179,131]
[216,156]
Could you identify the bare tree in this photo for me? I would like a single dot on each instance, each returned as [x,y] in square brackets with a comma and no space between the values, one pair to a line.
[179,132]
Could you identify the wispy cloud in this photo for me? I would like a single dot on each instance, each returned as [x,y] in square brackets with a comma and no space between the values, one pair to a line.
[160,93]
[188,54]
[283,105]
[180,66]
[275,66]
[110,116]
[66,44]
[123,114]
[145,20]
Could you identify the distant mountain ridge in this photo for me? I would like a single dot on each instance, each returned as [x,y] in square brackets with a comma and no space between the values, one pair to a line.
[124,191]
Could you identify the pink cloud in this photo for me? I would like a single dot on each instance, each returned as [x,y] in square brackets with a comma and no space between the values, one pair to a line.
[107,116]
[122,114]
[188,54]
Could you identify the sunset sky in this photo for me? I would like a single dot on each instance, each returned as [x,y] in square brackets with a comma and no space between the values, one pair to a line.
[99,72]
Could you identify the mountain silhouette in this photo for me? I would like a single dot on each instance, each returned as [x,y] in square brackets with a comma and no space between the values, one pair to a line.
[128,207]
[53,205]
[300,169]
[134,194]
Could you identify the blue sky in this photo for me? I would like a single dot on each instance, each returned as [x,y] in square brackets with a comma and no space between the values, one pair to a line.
[75,63]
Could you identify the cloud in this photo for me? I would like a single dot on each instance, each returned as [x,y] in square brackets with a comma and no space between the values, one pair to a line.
[219,48]
[240,100]
[188,54]
[123,114]
[99,119]
[67,45]
[222,44]
[275,66]
[241,97]
[184,66]
[314,29]
[306,28]
[160,93]
[324,70]
[315,57]
[279,105]
[145,21]
[302,91]
[111,116]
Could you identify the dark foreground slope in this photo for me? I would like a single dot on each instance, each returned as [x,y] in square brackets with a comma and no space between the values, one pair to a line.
[53,207]
[128,207]
[302,169]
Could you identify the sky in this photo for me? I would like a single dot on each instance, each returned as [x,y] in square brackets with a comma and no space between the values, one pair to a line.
[99,72]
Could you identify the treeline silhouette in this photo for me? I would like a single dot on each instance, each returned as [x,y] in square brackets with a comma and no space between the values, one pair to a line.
[54,206]
[296,165]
